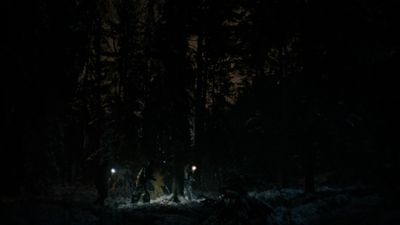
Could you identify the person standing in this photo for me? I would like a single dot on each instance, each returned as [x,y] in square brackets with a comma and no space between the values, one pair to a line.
[143,182]
[188,182]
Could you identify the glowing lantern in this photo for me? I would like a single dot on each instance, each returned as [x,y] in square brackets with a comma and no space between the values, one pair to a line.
[113,171]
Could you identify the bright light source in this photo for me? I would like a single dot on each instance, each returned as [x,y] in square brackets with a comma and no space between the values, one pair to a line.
[194,168]
[113,171]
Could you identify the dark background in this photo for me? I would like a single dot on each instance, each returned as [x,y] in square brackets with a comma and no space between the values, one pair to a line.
[281,93]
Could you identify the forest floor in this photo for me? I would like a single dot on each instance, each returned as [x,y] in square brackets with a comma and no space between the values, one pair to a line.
[330,206]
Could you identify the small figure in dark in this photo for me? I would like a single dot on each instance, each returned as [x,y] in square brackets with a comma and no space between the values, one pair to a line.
[188,182]
[143,183]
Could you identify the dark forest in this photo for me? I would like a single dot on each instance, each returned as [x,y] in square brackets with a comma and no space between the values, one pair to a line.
[208,112]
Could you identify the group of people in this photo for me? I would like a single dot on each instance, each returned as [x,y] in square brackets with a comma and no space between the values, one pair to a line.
[145,177]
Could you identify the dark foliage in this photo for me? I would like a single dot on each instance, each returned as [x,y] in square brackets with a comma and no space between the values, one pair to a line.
[284,93]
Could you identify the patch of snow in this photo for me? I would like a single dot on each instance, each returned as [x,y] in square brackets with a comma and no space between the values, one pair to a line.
[287,193]
[165,200]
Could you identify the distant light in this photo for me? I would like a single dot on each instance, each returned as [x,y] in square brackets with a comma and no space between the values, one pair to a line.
[194,168]
[113,171]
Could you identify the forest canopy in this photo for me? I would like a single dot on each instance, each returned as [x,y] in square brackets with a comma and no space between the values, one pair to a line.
[281,92]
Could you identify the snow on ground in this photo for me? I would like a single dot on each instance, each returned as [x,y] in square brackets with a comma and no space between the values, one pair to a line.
[293,207]
[277,193]
[330,206]
[125,202]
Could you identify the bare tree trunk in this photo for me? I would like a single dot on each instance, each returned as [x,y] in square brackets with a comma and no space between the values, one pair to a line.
[200,101]
[178,177]
[284,122]
[200,94]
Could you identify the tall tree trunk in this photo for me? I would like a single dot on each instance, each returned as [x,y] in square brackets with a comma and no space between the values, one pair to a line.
[284,122]
[178,82]
[200,102]
[200,94]
[178,178]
